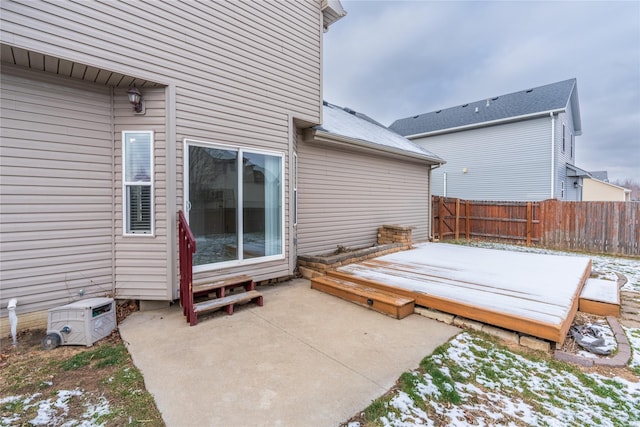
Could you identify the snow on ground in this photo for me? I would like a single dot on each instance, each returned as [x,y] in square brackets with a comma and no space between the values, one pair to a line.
[474,382]
[605,266]
[471,381]
[54,411]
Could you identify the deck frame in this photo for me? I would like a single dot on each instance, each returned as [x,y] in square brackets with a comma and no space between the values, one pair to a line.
[548,331]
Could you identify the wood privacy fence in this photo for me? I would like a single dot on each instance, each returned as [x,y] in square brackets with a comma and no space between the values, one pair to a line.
[598,227]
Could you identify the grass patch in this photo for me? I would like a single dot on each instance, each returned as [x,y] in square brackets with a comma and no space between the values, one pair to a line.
[101,357]
[76,385]
[375,411]
[482,377]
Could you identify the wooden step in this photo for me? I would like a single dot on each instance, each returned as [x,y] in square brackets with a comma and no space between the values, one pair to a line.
[228,302]
[381,301]
[600,297]
[205,286]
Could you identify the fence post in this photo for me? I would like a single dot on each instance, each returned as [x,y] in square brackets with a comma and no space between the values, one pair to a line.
[441,219]
[457,230]
[529,221]
[467,219]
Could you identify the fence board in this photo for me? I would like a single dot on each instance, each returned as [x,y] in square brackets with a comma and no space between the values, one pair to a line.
[598,227]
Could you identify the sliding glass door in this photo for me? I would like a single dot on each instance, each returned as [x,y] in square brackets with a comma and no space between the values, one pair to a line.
[234,203]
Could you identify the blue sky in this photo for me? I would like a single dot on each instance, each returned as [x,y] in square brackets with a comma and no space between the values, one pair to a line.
[394,59]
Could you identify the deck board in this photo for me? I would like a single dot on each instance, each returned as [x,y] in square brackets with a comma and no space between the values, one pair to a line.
[529,293]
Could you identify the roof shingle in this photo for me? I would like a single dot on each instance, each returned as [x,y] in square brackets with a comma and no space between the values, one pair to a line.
[554,96]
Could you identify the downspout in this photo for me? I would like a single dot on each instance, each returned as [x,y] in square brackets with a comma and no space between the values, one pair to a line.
[553,154]
[444,178]
[430,203]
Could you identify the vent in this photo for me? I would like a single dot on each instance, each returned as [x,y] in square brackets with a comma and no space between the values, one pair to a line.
[438,112]
[349,110]
[530,90]
[415,117]
[494,99]
[465,105]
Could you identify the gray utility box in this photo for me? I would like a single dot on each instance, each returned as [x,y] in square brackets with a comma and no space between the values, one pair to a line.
[81,323]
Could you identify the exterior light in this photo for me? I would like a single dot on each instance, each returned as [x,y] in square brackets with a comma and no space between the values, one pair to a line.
[135,98]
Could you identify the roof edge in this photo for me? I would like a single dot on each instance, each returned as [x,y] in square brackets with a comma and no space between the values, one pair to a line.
[486,124]
[332,138]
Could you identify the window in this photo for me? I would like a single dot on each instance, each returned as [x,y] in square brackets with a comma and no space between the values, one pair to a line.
[571,144]
[562,190]
[234,202]
[137,182]
[563,141]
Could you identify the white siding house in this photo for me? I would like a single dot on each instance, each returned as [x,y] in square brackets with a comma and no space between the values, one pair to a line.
[91,188]
[519,146]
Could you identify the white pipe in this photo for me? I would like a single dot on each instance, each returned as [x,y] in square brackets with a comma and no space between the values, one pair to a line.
[553,154]
[444,175]
[13,319]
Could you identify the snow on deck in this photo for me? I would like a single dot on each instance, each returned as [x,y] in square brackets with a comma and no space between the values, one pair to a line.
[539,287]
[601,290]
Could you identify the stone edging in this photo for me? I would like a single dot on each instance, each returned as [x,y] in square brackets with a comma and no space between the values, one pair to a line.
[620,360]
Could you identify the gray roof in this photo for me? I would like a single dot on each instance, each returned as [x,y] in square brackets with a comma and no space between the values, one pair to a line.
[539,100]
[600,175]
[360,128]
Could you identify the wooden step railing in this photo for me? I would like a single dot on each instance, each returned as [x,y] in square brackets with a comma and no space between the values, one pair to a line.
[211,294]
[187,247]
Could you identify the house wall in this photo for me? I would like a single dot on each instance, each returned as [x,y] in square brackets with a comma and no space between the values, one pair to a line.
[598,191]
[562,157]
[344,196]
[56,215]
[141,267]
[509,161]
[233,73]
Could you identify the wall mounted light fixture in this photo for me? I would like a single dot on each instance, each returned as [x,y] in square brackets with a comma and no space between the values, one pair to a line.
[135,98]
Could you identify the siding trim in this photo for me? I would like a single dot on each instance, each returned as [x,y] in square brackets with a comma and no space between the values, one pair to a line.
[485,124]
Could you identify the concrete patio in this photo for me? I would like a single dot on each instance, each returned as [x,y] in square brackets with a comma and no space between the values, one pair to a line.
[305,358]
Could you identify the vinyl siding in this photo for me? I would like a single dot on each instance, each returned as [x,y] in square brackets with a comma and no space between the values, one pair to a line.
[56,190]
[504,162]
[564,157]
[344,196]
[239,72]
[141,270]
[253,57]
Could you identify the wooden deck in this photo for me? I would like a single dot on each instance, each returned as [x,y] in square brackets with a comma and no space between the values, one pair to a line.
[533,294]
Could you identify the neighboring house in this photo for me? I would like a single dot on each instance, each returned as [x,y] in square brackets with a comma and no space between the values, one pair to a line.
[595,190]
[519,146]
[600,175]
[91,186]
[355,175]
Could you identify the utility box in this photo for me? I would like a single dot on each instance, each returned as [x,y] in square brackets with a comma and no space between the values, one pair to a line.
[80,323]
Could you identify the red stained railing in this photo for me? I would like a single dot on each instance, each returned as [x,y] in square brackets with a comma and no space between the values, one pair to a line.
[187,245]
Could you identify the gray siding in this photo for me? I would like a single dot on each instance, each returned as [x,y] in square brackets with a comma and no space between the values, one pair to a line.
[344,196]
[563,157]
[141,270]
[510,161]
[238,72]
[256,59]
[56,188]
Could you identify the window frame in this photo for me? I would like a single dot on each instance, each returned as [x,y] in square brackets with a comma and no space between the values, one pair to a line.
[564,144]
[126,184]
[239,150]
[571,142]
